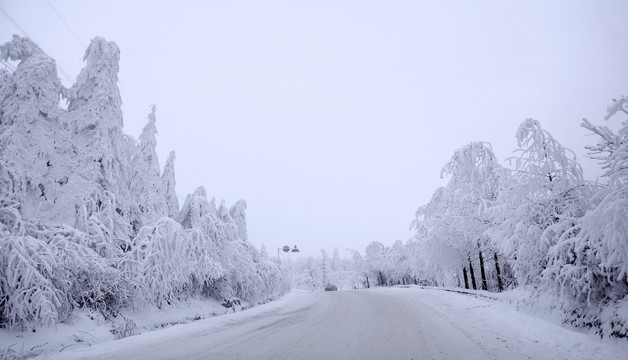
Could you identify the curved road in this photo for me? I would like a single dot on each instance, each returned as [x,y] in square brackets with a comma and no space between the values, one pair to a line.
[364,324]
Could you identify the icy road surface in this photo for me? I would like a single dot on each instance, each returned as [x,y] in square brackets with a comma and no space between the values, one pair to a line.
[394,323]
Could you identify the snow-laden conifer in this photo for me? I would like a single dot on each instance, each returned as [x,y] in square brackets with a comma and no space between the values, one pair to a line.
[238,214]
[103,152]
[168,183]
[147,185]
[33,140]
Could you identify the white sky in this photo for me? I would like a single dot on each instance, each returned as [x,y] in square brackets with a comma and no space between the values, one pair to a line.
[333,118]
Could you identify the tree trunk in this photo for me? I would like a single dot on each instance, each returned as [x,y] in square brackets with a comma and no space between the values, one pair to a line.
[482,273]
[368,286]
[500,285]
[466,278]
[472,275]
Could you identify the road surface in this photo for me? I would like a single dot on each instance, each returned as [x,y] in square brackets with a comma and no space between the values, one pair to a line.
[392,323]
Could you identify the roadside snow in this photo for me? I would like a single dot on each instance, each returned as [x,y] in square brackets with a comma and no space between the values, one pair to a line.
[494,322]
[86,328]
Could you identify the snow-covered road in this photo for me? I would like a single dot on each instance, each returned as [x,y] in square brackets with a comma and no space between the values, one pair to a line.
[393,323]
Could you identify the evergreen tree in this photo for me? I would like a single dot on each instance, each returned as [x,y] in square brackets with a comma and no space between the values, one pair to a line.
[33,140]
[147,185]
[238,213]
[168,183]
[102,151]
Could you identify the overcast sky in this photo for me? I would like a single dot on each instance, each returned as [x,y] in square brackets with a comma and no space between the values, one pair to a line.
[332,119]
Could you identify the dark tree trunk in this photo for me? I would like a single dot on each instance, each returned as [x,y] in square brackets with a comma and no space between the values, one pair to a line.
[416,282]
[472,275]
[500,285]
[482,273]
[466,278]
[368,286]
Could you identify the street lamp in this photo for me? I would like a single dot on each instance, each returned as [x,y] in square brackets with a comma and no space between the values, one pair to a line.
[286,249]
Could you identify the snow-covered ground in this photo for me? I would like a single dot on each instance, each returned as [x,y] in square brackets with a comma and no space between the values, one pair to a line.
[383,323]
[86,328]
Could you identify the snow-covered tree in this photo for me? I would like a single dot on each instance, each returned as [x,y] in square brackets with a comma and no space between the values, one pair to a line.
[335,260]
[398,268]
[161,257]
[195,206]
[314,273]
[33,140]
[376,262]
[263,253]
[473,187]
[168,182]
[360,274]
[437,247]
[589,265]
[450,230]
[147,185]
[101,150]
[238,213]
[544,190]
[541,224]
[325,266]
[86,219]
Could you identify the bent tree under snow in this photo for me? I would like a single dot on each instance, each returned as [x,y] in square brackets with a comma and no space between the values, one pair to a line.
[538,225]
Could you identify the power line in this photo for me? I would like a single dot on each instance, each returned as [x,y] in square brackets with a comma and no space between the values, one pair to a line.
[66,24]
[65,74]
[8,66]
[6,14]
[61,69]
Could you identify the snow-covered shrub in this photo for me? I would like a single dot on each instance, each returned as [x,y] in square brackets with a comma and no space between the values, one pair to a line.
[125,328]
[160,256]
[47,271]
[28,293]
[273,279]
